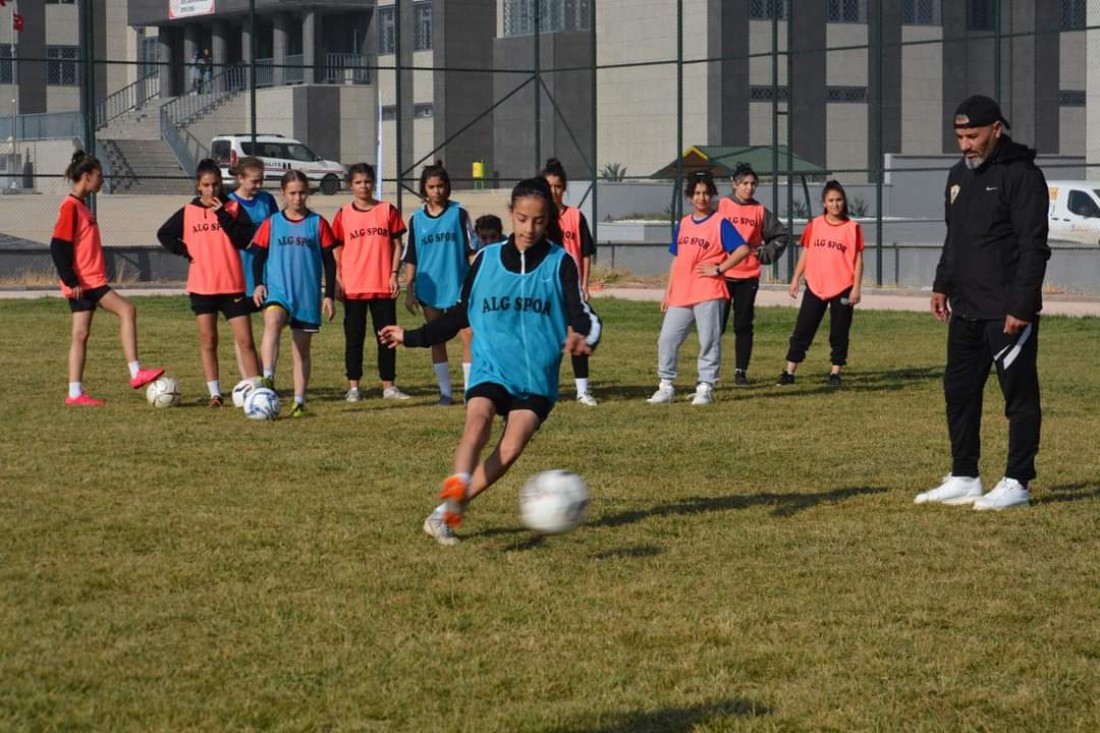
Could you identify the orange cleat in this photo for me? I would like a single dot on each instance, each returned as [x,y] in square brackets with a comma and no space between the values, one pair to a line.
[453,495]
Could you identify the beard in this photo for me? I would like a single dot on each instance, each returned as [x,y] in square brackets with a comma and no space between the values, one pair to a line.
[973,163]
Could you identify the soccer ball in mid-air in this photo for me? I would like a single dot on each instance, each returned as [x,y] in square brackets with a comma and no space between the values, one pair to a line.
[164,392]
[242,390]
[552,502]
[261,404]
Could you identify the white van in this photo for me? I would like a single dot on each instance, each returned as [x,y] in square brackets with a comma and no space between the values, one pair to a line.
[1074,212]
[279,154]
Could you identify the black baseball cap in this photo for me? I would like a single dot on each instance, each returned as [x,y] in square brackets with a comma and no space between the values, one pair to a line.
[979,111]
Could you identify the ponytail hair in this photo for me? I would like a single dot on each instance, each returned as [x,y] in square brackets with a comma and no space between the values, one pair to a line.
[361,169]
[208,165]
[247,163]
[539,188]
[435,170]
[554,167]
[743,171]
[692,180]
[834,185]
[291,176]
[81,164]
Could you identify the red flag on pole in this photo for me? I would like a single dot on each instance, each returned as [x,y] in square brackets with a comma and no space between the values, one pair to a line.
[17,22]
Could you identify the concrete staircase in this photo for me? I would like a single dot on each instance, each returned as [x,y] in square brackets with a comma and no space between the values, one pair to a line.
[137,157]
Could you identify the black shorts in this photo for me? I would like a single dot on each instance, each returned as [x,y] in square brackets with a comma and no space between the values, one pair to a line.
[504,401]
[232,305]
[88,299]
[294,323]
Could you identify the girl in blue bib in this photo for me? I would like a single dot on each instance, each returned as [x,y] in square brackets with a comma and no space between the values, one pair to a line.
[292,248]
[437,253]
[523,299]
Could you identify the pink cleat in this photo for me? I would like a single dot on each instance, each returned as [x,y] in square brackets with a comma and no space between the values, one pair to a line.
[144,376]
[84,401]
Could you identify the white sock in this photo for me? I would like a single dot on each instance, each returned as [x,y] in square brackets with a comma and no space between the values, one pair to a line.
[135,367]
[466,479]
[666,383]
[215,388]
[269,374]
[76,389]
[443,376]
[465,374]
[582,385]
[299,399]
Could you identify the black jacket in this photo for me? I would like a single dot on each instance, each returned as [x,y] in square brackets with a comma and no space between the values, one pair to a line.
[995,254]
[579,315]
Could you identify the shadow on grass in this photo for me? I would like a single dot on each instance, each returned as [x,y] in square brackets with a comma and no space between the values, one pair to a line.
[785,505]
[671,720]
[628,552]
[1079,491]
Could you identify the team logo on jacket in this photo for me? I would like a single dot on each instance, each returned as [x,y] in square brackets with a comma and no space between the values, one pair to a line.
[954,192]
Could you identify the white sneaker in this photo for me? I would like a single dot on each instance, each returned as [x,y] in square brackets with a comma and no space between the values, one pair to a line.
[665,394]
[440,531]
[704,394]
[393,393]
[1007,494]
[353,396]
[954,490]
[586,399]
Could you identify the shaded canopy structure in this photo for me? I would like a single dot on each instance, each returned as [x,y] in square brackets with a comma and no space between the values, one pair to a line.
[721,161]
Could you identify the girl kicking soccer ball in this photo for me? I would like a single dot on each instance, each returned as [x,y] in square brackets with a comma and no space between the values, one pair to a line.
[78,255]
[523,299]
[832,261]
[209,232]
[291,249]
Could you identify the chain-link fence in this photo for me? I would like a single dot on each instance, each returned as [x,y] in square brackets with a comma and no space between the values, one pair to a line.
[628,94]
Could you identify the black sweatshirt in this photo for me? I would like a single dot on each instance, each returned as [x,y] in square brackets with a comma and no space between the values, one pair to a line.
[580,317]
[995,255]
[239,229]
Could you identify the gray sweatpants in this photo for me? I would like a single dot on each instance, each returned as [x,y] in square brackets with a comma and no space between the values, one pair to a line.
[707,317]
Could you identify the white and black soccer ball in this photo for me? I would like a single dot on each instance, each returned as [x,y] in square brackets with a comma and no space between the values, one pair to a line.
[552,502]
[164,392]
[261,404]
[242,390]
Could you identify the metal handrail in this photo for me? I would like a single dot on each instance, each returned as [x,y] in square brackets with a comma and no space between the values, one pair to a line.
[130,97]
[178,145]
[346,68]
[185,108]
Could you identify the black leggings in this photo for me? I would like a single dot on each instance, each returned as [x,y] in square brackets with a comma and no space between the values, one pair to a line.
[580,366]
[743,305]
[383,311]
[809,318]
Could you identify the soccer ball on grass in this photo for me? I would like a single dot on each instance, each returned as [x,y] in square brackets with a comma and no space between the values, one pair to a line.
[552,502]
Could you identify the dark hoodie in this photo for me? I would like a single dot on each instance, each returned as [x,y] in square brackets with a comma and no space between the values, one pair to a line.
[995,254]
[239,229]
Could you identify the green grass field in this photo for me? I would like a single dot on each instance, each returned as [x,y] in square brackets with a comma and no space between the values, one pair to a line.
[755,565]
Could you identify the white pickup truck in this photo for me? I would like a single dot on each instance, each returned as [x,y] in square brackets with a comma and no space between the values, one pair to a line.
[1074,212]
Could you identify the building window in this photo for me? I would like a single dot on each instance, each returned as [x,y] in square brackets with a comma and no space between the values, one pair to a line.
[1073,97]
[846,95]
[387,36]
[1074,14]
[922,12]
[7,75]
[764,94]
[765,9]
[423,111]
[554,16]
[61,2]
[845,11]
[422,19]
[61,65]
[979,15]
[149,55]
[389,112]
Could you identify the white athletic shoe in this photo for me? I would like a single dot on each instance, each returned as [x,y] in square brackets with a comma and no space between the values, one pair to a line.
[393,393]
[704,394]
[440,531]
[665,394]
[353,395]
[1007,494]
[586,399]
[954,490]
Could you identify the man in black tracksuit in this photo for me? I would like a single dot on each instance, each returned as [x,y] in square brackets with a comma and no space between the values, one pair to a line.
[988,287]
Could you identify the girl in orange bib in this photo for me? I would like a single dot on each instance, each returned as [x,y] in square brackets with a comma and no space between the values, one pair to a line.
[367,265]
[78,255]
[576,238]
[704,246]
[832,261]
[209,232]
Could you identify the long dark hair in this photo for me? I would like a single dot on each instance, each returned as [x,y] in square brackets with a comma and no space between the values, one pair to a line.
[834,185]
[554,167]
[361,169]
[435,170]
[80,164]
[539,188]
